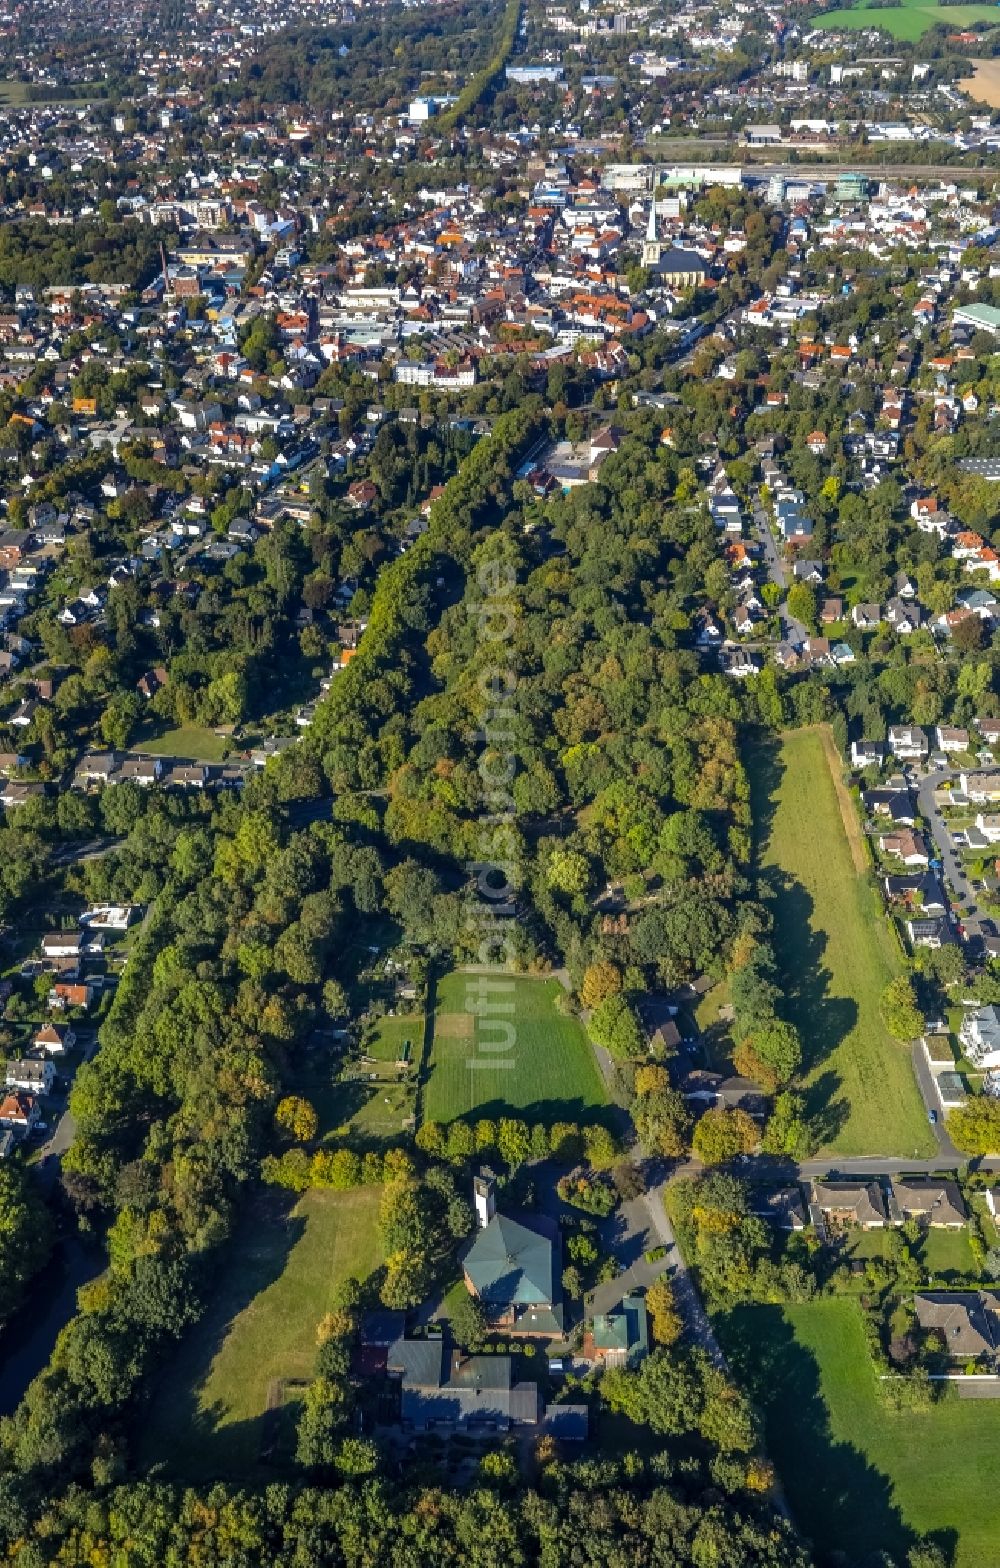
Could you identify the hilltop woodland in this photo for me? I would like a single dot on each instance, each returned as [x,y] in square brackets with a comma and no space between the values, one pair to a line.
[627,760]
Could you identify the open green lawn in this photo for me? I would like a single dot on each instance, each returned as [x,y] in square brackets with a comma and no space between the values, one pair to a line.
[910,20]
[192,742]
[712,1022]
[368,1104]
[386,1038]
[862,1478]
[548,1074]
[945,1254]
[14,92]
[209,1417]
[834,951]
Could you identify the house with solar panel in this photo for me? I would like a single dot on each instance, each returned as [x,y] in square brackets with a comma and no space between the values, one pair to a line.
[513,1267]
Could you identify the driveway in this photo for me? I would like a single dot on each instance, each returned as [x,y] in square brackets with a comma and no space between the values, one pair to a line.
[628,1237]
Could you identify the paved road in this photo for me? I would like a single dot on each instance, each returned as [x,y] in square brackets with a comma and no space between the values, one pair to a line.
[955,876]
[92,849]
[50,1163]
[792,630]
[688,1301]
[52,1151]
[761,1168]
[932,1101]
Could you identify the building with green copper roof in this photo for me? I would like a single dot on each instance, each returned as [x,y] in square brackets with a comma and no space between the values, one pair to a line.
[512,1266]
[621,1337]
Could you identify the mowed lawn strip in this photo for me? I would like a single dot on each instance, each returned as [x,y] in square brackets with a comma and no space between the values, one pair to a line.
[908,21]
[862,1478]
[835,953]
[552,1074]
[279,1280]
[191,741]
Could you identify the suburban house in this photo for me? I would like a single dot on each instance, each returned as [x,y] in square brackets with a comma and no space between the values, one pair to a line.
[867,753]
[620,1338]
[896,804]
[714,1091]
[968,1321]
[904,618]
[980,1036]
[18,1111]
[908,741]
[110,917]
[980,787]
[512,1266]
[782,1207]
[988,824]
[937,1203]
[866,617]
[931,931]
[907,846]
[35,1077]
[70,993]
[62,944]
[441,1388]
[951,740]
[850,1203]
[920,891]
[54,1039]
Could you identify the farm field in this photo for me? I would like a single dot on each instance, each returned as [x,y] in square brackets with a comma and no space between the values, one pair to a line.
[861,1478]
[910,20]
[834,952]
[984,83]
[552,1076]
[208,1417]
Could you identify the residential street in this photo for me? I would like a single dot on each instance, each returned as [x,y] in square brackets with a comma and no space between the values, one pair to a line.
[954,874]
[791,630]
[688,1301]
[932,1101]
[91,849]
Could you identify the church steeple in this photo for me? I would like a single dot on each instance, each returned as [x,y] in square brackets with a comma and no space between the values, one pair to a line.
[652,246]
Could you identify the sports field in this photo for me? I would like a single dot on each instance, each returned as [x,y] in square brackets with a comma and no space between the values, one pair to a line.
[861,1478]
[545,1068]
[209,1416]
[911,19]
[834,950]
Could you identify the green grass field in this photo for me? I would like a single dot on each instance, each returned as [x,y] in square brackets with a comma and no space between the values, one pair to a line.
[387,1037]
[548,1074]
[371,1104]
[911,19]
[834,950]
[862,1478]
[192,742]
[945,1254]
[209,1416]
